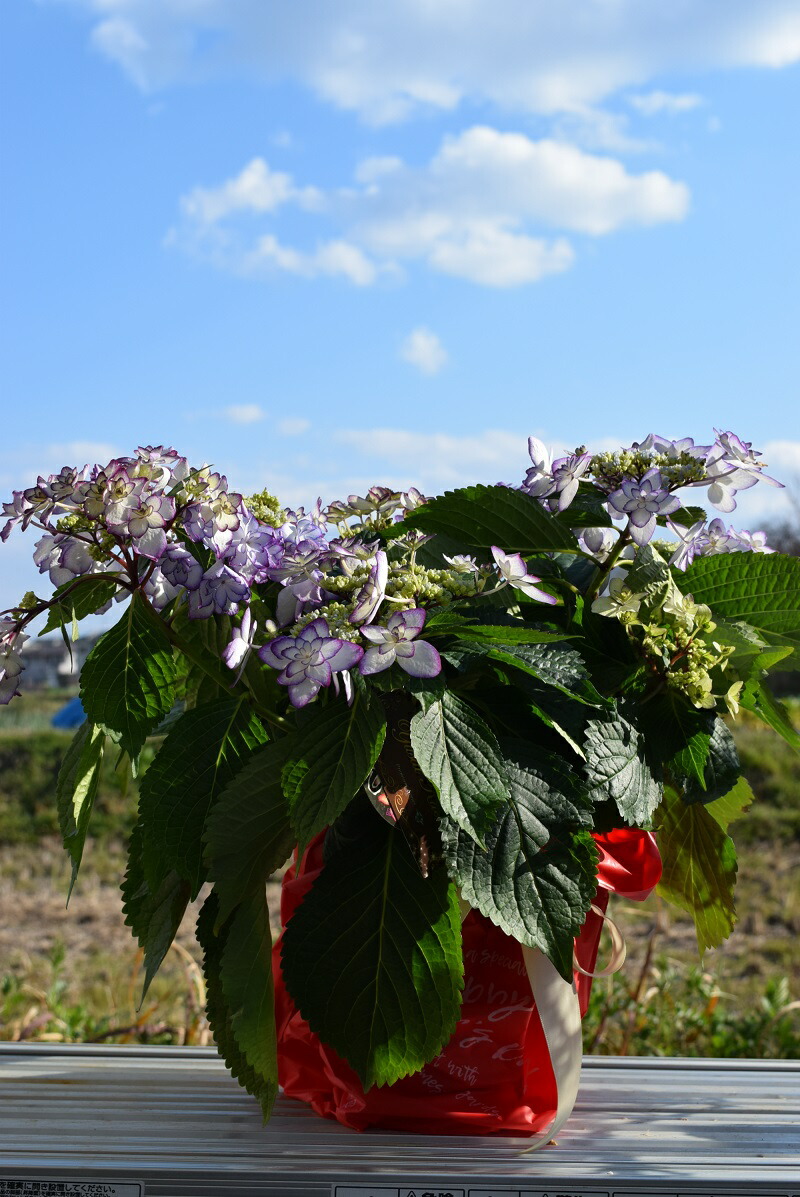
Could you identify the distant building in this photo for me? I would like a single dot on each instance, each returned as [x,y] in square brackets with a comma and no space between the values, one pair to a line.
[48,665]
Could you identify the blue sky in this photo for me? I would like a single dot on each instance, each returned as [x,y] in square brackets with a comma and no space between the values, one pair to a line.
[329,244]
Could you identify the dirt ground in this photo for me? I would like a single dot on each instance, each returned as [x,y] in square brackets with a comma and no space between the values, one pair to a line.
[100,958]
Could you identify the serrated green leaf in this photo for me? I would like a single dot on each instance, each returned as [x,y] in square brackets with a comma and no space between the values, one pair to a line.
[246,976]
[763,589]
[555,664]
[685,516]
[589,509]
[74,600]
[617,767]
[329,761]
[460,756]
[538,876]
[759,700]
[498,635]
[677,734]
[248,834]
[76,791]
[153,914]
[482,516]
[372,956]
[262,1085]
[649,569]
[699,863]
[127,681]
[722,768]
[731,806]
[191,769]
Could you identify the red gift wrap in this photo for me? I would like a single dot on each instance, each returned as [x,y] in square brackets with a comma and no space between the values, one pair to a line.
[495,1074]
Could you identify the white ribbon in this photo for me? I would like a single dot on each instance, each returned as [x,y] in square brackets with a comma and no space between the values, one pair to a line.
[559,1011]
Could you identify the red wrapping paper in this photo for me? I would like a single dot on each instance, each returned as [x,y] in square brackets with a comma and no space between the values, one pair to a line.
[494,1076]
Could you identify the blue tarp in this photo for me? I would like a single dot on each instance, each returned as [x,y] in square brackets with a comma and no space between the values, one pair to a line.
[71,715]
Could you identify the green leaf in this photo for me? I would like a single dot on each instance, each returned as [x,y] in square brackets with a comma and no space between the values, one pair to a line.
[372,956]
[127,682]
[248,834]
[153,914]
[235,1031]
[588,509]
[733,805]
[685,516]
[193,766]
[76,791]
[617,767]
[761,588]
[74,600]
[722,768]
[649,569]
[246,976]
[329,761]
[539,874]
[759,700]
[557,665]
[678,733]
[498,635]
[459,754]
[482,516]
[699,862]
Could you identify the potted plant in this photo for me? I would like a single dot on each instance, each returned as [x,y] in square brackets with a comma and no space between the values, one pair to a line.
[460,714]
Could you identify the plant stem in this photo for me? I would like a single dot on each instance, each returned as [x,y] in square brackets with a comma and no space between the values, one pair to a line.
[604,569]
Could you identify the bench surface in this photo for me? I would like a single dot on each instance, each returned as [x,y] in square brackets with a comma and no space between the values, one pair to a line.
[170,1122]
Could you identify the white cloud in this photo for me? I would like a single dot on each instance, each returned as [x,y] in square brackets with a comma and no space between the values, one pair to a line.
[477,210]
[293,426]
[389,61]
[652,102]
[244,413]
[255,189]
[436,460]
[423,349]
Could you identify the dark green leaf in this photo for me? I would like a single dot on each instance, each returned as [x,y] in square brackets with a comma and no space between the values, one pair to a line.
[617,767]
[678,734]
[75,600]
[459,754]
[555,664]
[248,833]
[193,766]
[224,974]
[500,635]
[372,956]
[127,682]
[330,760]
[247,987]
[722,768]
[76,790]
[587,510]
[154,915]
[482,516]
[538,876]
[761,588]
[699,862]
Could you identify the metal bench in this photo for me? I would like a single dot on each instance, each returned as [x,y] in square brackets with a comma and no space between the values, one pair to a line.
[169,1122]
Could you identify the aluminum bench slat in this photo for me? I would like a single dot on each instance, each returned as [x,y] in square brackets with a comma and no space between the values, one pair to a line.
[172,1120]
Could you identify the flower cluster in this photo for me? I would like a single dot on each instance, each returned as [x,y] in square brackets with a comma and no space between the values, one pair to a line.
[306,588]
[638,485]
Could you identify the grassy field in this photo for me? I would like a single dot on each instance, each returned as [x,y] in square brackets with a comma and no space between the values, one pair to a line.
[73,975]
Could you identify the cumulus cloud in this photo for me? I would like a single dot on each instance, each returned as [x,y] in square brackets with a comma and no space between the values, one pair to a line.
[653,102]
[487,207]
[255,189]
[389,61]
[244,413]
[423,349]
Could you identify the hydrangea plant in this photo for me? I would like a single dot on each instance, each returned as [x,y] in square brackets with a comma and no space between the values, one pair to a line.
[499,671]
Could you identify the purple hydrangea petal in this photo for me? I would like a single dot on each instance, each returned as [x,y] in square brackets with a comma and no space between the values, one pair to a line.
[301,694]
[419,659]
[377,658]
[407,624]
[344,655]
